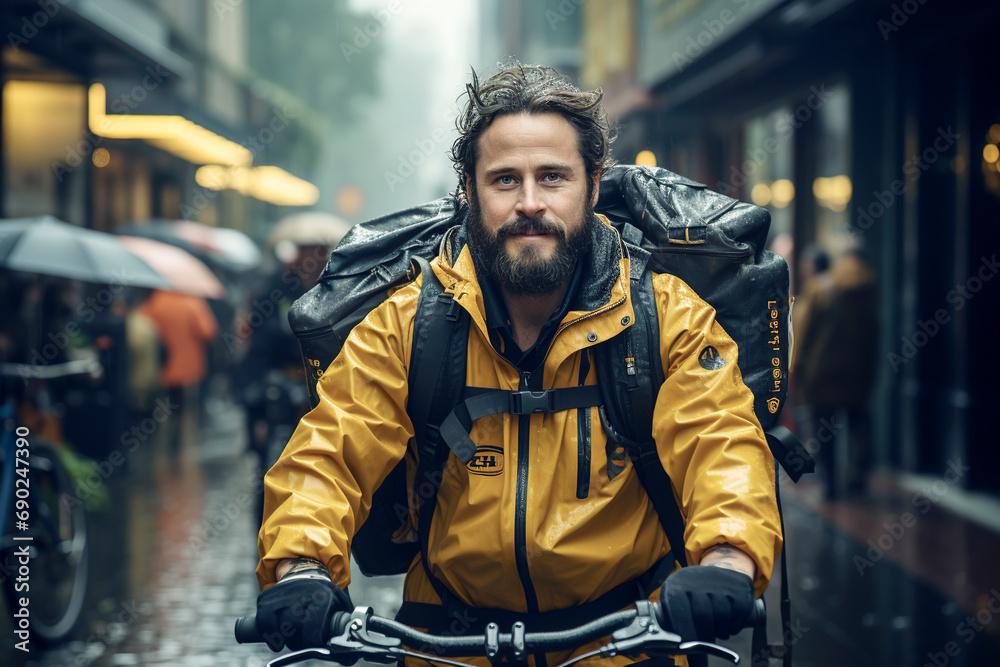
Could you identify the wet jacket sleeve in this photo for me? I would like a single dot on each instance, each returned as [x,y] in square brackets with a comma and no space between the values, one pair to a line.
[319,492]
[708,437]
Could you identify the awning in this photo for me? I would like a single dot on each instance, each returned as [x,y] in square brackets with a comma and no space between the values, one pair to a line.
[134,29]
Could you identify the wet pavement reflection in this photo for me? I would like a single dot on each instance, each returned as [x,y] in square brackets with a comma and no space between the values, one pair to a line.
[174,550]
[851,606]
[172,538]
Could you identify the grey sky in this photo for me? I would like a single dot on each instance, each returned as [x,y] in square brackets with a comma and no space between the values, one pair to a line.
[428,46]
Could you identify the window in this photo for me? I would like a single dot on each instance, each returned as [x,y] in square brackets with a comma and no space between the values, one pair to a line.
[767,167]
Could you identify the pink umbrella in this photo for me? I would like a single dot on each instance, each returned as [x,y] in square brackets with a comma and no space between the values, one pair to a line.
[197,235]
[187,273]
[233,247]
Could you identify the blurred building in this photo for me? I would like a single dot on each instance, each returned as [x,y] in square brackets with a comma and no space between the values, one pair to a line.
[122,110]
[328,52]
[854,122]
[535,32]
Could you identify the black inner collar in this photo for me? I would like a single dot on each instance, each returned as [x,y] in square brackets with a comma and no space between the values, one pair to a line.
[499,328]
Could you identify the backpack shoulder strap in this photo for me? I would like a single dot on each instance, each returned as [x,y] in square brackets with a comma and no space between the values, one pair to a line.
[437,367]
[436,383]
[630,374]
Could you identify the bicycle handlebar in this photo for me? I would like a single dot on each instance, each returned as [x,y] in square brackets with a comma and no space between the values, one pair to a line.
[362,634]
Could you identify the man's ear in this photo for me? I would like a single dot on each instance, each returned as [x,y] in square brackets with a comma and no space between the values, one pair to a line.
[468,183]
[597,188]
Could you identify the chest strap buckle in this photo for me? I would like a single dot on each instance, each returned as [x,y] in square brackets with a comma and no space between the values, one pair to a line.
[528,402]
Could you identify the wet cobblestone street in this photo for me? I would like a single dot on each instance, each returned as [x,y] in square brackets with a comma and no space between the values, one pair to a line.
[172,562]
[188,549]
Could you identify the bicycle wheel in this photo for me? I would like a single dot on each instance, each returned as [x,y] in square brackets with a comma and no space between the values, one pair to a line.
[59,553]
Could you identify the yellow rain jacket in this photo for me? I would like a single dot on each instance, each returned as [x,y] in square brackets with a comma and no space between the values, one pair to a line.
[527,514]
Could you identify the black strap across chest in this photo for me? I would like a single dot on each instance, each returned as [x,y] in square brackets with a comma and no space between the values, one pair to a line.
[484,402]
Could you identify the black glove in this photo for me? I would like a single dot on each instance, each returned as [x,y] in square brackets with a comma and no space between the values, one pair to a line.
[298,611]
[706,603]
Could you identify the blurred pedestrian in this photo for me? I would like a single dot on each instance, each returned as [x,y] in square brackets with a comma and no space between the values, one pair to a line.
[272,343]
[836,325]
[274,381]
[814,261]
[146,354]
[186,326]
[14,294]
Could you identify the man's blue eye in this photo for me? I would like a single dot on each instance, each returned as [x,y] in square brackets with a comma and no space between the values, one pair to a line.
[554,176]
[505,180]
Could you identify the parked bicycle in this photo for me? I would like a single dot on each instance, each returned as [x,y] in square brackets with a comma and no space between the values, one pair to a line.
[43,545]
[361,635]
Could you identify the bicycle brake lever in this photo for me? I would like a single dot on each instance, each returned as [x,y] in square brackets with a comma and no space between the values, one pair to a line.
[323,654]
[645,635]
[357,641]
[644,624]
[353,644]
[637,636]
[711,649]
[357,628]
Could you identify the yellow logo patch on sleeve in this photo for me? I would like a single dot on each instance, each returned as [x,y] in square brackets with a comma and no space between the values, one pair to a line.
[710,359]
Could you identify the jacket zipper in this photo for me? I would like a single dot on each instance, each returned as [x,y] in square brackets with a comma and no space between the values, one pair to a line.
[521,502]
[521,490]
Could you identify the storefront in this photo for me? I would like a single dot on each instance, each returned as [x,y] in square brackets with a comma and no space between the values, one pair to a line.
[44,119]
[110,109]
[862,125]
[52,162]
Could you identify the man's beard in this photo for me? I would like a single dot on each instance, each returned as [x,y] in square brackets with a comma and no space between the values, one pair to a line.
[527,274]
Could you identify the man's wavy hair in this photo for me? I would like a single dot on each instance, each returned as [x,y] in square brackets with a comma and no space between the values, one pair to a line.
[518,88]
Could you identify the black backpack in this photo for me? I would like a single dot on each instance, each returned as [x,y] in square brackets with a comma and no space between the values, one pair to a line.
[670,225]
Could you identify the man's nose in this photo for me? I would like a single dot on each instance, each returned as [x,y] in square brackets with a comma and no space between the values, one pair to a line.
[530,203]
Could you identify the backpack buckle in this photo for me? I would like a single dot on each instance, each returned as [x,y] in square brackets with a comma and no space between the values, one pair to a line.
[453,308]
[528,402]
[429,438]
[647,454]
[692,235]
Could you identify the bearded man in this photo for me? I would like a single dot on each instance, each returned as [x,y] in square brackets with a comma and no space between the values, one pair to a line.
[543,280]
